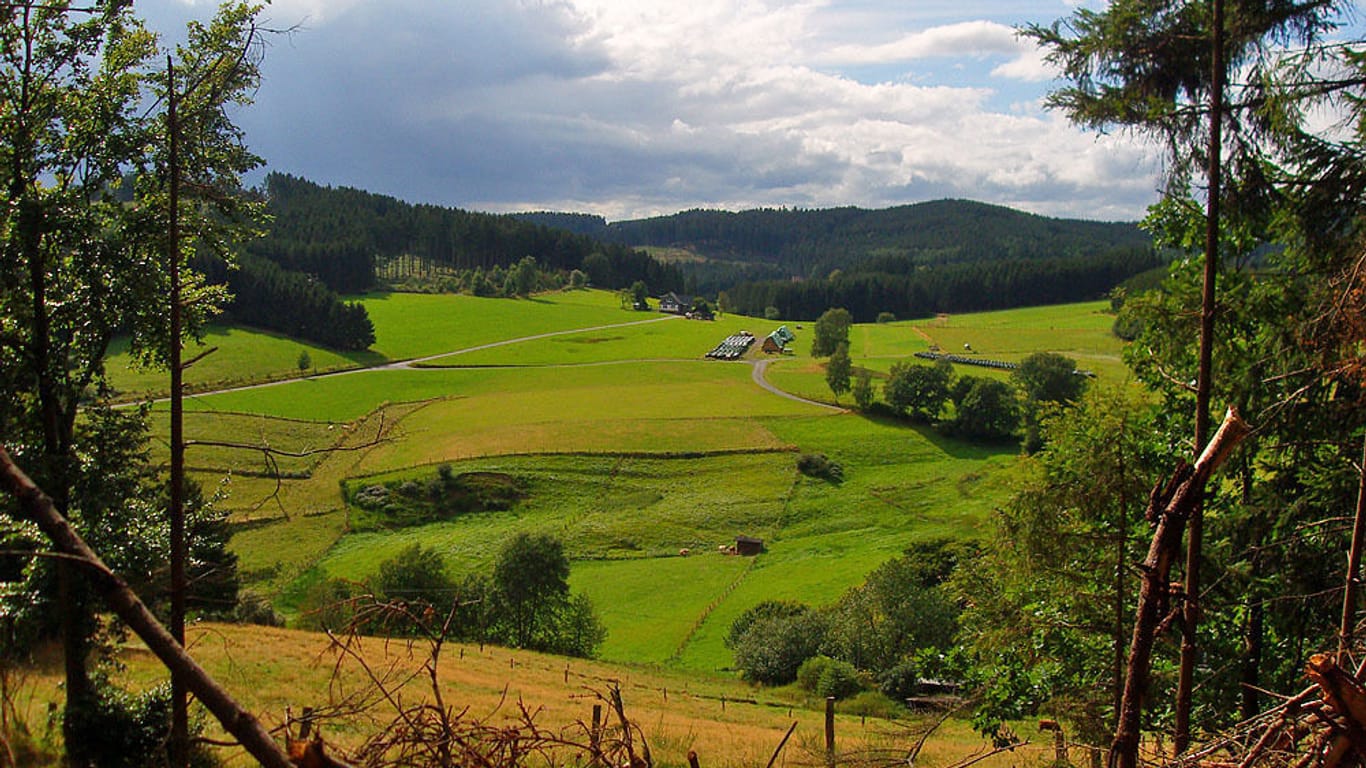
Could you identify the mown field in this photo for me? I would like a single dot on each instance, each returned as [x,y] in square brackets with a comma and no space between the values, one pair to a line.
[631,444]
[729,724]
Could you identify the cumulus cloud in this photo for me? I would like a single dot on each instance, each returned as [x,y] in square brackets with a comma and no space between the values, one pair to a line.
[638,107]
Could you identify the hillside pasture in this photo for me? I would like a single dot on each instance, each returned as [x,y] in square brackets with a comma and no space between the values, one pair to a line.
[674,339]
[241,356]
[728,723]
[632,448]
[1079,331]
[411,325]
[407,326]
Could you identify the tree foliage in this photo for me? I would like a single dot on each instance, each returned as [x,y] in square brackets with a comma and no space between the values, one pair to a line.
[80,264]
[837,370]
[1050,598]
[831,330]
[920,389]
[984,408]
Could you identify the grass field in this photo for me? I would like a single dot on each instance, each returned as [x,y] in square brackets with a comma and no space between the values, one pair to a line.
[728,724]
[633,447]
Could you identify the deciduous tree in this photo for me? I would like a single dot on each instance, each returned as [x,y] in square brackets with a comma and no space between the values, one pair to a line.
[831,329]
[837,370]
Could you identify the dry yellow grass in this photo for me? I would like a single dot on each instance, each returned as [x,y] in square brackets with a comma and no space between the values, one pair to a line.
[727,722]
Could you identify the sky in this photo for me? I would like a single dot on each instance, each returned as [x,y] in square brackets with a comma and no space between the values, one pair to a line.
[634,108]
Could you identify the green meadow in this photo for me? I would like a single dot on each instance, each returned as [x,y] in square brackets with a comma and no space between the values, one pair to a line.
[630,445]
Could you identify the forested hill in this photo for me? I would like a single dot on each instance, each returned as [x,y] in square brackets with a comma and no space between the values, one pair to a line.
[341,235]
[810,242]
[912,260]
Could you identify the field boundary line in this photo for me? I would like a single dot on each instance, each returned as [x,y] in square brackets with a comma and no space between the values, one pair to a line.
[645,455]
[711,607]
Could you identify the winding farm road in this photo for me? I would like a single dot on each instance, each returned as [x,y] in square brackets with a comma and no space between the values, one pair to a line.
[759,367]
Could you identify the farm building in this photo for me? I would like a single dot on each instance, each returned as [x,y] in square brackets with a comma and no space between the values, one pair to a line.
[674,304]
[778,340]
[748,545]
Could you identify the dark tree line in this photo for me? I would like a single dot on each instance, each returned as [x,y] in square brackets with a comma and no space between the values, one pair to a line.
[338,235]
[966,287]
[814,242]
[268,296]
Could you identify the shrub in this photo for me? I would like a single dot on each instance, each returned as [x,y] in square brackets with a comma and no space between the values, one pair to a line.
[820,466]
[872,704]
[772,649]
[825,676]
[326,604]
[886,317]
[772,313]
[809,673]
[121,729]
[899,682]
[767,609]
[254,608]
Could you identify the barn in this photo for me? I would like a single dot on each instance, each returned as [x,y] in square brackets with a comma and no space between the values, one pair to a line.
[777,341]
[748,545]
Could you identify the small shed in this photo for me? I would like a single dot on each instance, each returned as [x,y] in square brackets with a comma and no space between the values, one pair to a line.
[778,340]
[748,545]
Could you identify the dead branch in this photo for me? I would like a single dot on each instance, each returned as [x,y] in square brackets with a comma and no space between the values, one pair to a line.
[1170,506]
[124,602]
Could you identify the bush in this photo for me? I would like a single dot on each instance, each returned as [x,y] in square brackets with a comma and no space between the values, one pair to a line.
[772,313]
[886,317]
[772,649]
[254,608]
[818,465]
[872,704]
[326,604]
[120,729]
[899,682]
[825,676]
[809,673]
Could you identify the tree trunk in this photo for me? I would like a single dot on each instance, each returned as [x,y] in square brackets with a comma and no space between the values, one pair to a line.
[1349,593]
[1171,506]
[1204,377]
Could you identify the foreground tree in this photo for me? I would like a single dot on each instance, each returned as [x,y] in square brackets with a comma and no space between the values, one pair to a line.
[80,265]
[1162,69]
[1050,601]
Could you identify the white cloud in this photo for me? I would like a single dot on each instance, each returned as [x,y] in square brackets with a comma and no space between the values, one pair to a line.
[968,38]
[636,107]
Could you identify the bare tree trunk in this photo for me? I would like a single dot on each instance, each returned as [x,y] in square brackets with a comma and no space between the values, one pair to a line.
[124,602]
[1170,506]
[1204,378]
[178,748]
[1349,593]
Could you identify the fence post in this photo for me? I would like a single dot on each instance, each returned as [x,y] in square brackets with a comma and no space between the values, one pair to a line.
[595,736]
[829,732]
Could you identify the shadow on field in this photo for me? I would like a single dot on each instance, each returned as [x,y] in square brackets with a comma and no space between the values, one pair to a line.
[954,447]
